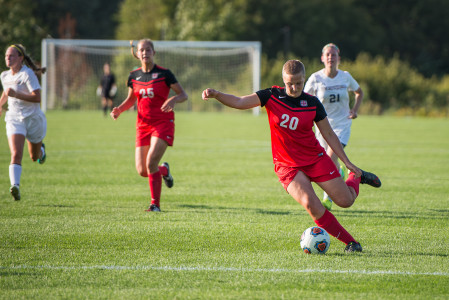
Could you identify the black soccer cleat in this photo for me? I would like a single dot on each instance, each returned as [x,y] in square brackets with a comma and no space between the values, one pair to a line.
[153,207]
[353,247]
[370,178]
[15,192]
[169,181]
[44,156]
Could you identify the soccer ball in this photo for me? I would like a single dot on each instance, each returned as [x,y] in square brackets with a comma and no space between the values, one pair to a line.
[315,240]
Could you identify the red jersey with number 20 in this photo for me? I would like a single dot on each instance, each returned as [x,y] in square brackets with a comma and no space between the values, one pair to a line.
[152,90]
[293,142]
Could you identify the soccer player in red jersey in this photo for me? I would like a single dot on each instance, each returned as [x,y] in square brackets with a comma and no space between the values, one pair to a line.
[298,157]
[150,86]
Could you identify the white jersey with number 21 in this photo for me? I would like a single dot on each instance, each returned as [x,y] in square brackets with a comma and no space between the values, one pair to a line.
[333,93]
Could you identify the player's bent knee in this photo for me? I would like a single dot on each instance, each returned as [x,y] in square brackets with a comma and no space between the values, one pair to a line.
[345,202]
[142,172]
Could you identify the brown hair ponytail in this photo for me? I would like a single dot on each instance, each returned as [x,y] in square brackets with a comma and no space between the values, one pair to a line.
[132,49]
[28,61]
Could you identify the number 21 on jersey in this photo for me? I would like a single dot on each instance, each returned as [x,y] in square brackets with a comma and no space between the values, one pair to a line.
[334,98]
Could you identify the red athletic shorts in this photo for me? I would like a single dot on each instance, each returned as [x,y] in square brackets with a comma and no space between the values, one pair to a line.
[163,129]
[323,170]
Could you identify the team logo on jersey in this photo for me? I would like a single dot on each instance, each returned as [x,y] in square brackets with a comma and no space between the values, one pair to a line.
[303,103]
[155,75]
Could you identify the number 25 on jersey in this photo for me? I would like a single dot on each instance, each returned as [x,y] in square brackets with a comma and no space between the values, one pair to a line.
[147,93]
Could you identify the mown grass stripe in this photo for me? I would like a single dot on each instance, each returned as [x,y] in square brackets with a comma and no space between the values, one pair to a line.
[226,269]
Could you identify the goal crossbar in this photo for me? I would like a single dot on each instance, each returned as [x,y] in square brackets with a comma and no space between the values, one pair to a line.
[121,47]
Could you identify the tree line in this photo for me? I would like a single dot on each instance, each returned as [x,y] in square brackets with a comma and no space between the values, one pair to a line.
[408,36]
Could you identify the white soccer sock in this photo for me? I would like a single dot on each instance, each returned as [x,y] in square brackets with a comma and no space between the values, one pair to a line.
[42,151]
[15,171]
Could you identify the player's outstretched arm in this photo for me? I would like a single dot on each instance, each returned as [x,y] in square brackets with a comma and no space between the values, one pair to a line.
[126,104]
[333,142]
[244,102]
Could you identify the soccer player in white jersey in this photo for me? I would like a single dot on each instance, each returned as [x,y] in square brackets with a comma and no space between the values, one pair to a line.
[331,86]
[24,118]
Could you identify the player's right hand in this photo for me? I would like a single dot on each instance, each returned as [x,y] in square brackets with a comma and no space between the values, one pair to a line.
[209,93]
[115,113]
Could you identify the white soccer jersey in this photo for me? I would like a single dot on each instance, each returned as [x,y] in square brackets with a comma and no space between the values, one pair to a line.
[333,93]
[25,81]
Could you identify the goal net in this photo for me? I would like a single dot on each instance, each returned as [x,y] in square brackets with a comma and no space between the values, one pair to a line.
[75,69]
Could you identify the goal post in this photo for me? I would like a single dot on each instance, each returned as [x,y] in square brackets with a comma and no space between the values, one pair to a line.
[75,68]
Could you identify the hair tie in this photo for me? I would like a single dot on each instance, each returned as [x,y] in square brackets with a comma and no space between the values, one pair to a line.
[331,45]
[18,49]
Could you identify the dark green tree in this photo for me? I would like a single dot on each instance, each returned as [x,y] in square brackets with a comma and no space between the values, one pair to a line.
[19,25]
[415,30]
[95,19]
[139,19]
[208,20]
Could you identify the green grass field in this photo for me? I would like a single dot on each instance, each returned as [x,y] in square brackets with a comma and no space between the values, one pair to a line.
[228,230]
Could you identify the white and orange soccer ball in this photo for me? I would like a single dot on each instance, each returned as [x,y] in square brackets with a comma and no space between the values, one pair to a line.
[315,240]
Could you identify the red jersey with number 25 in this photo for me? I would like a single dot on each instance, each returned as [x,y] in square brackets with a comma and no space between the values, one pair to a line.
[151,90]
[293,142]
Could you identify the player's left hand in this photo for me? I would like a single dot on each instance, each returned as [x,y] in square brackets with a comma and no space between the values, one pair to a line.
[209,93]
[352,114]
[354,169]
[168,105]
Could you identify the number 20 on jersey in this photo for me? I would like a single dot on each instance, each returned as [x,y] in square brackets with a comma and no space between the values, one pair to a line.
[289,122]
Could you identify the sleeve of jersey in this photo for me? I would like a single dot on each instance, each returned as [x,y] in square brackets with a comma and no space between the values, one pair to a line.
[264,96]
[130,81]
[308,88]
[320,111]
[170,79]
[353,84]
[32,82]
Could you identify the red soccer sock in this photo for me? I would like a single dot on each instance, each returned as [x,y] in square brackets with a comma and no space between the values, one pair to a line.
[329,223]
[353,182]
[155,182]
[163,170]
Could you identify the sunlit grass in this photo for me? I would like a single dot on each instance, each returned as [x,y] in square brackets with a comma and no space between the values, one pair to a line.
[227,228]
